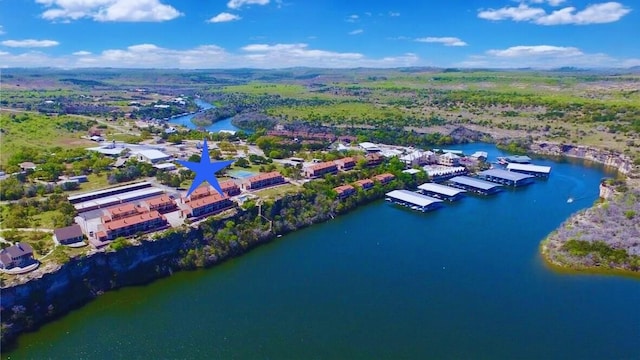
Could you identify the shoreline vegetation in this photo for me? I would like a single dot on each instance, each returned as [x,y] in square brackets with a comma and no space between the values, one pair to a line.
[452,116]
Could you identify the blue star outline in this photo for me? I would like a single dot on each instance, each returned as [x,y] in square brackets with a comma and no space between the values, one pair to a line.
[205,170]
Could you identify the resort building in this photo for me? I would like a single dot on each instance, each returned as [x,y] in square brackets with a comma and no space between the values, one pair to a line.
[152,156]
[230,188]
[384,178]
[374,159]
[18,255]
[263,180]
[120,212]
[162,204]
[345,164]
[68,235]
[365,184]
[321,169]
[449,159]
[505,177]
[344,191]
[419,158]
[140,223]
[206,205]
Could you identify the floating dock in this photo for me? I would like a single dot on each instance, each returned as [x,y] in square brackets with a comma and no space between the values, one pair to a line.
[529,169]
[441,191]
[475,185]
[518,159]
[413,200]
[504,177]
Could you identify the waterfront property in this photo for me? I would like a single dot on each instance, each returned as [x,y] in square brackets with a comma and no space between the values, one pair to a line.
[141,222]
[18,255]
[442,192]
[529,169]
[345,164]
[441,173]
[449,159]
[68,235]
[518,159]
[505,177]
[230,188]
[475,185]
[364,184]
[419,158]
[162,204]
[263,180]
[344,191]
[321,169]
[413,200]
[205,204]
[384,178]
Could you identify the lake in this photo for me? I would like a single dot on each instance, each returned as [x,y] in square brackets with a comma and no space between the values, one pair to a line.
[185,120]
[464,281]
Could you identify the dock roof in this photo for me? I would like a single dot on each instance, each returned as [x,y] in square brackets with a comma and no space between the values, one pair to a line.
[528,167]
[504,174]
[473,182]
[441,189]
[412,197]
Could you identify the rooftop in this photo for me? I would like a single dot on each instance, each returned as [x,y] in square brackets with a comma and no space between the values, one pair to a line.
[109,190]
[412,197]
[504,174]
[264,176]
[133,220]
[68,232]
[153,154]
[473,182]
[440,189]
[529,167]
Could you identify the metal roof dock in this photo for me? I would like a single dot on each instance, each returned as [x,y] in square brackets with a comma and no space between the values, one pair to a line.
[413,200]
[529,169]
[441,191]
[504,177]
[475,185]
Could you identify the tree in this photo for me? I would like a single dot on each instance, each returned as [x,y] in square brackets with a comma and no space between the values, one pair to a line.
[242,162]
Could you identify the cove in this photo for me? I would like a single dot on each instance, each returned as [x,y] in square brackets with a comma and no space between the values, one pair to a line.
[215,127]
[465,281]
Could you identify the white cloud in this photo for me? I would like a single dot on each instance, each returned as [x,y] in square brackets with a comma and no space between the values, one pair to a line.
[30,43]
[353,18]
[446,41]
[356,32]
[109,10]
[224,17]
[593,14]
[536,50]
[237,4]
[2,32]
[210,57]
[394,14]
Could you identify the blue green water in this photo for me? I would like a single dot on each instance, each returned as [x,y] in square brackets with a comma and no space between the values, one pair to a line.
[465,281]
[224,124]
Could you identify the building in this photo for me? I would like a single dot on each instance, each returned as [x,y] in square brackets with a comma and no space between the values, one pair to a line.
[535,170]
[480,155]
[230,188]
[449,159]
[419,158]
[442,192]
[18,255]
[68,235]
[344,191]
[27,165]
[369,147]
[207,205]
[74,199]
[345,164]
[79,178]
[139,223]
[321,169]
[413,200]
[365,184]
[374,159]
[120,212]
[475,185]
[152,156]
[504,177]
[263,180]
[165,166]
[384,178]
[162,204]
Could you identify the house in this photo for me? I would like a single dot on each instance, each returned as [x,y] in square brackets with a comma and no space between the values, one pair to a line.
[27,165]
[161,204]
[365,184]
[141,222]
[320,169]
[374,159]
[120,212]
[206,205]
[344,191]
[263,180]
[230,188]
[68,235]
[18,255]
[152,156]
[345,164]
[384,178]
[449,159]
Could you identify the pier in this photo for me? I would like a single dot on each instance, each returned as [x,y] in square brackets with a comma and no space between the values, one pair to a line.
[413,200]
[505,177]
[442,192]
[529,169]
[475,185]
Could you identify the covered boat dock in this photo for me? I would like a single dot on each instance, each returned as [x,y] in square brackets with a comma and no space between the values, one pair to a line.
[505,177]
[441,191]
[413,200]
[529,169]
[474,185]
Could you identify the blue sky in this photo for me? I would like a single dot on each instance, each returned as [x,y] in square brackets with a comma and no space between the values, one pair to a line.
[332,33]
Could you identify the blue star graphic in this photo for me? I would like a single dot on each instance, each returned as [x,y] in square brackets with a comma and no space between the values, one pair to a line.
[205,170]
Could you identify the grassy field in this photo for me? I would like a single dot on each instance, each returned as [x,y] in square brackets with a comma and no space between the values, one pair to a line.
[277,192]
[284,90]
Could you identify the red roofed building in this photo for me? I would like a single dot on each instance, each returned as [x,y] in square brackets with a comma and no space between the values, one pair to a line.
[230,188]
[365,184]
[263,180]
[344,191]
[120,212]
[323,168]
[131,225]
[384,178]
[345,164]
[207,205]
[374,159]
[200,192]
[161,204]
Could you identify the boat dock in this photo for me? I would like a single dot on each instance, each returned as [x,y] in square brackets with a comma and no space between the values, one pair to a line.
[413,200]
[529,169]
[442,192]
[475,185]
[504,177]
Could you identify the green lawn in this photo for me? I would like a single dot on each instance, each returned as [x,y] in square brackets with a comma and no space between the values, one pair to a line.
[279,191]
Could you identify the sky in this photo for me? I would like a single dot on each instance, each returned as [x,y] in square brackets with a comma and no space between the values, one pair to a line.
[206,34]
